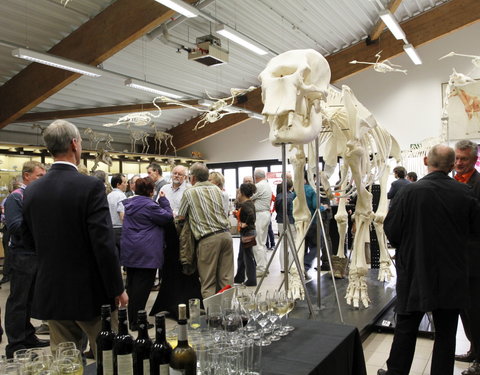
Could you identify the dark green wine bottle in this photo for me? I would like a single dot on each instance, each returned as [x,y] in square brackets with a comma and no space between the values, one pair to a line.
[142,346]
[122,346]
[161,349]
[184,360]
[104,343]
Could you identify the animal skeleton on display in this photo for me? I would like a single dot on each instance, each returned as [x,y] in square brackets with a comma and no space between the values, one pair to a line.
[383,67]
[218,109]
[294,92]
[138,135]
[137,118]
[456,80]
[165,137]
[102,156]
[475,59]
[96,137]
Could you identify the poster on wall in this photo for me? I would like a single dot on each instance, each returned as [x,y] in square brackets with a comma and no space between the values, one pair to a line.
[463,109]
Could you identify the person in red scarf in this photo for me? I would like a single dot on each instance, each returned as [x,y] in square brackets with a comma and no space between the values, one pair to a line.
[465,159]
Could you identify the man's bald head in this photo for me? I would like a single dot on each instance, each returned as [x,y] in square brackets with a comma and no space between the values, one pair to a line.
[440,158]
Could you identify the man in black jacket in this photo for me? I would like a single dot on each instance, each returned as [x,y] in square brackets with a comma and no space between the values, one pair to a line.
[465,159]
[68,224]
[429,224]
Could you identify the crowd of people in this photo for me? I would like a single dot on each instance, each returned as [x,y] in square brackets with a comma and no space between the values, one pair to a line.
[71,243]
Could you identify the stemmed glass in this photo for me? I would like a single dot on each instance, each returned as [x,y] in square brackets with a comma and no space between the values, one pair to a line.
[254,313]
[290,306]
[281,308]
[263,321]
[75,356]
[273,317]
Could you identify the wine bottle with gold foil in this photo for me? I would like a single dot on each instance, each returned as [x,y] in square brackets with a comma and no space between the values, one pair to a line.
[183,360]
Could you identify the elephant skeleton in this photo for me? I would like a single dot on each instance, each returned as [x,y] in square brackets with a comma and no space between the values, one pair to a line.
[294,91]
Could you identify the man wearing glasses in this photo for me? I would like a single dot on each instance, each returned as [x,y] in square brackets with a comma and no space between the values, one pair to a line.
[174,191]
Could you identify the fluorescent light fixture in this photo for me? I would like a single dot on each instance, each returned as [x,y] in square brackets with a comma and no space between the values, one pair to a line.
[389,19]
[57,62]
[241,39]
[412,53]
[149,87]
[180,7]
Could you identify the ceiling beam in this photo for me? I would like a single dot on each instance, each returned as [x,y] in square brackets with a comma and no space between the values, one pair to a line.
[184,135]
[101,111]
[424,28]
[428,26]
[92,43]
[380,25]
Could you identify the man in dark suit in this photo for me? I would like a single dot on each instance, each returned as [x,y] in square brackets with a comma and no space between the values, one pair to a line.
[465,159]
[68,223]
[399,173]
[429,224]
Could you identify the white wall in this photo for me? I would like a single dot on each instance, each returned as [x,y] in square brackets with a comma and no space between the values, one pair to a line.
[409,106]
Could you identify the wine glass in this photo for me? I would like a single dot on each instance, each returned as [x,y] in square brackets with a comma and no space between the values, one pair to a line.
[214,317]
[281,308]
[272,317]
[65,366]
[263,321]
[75,356]
[290,306]
[64,346]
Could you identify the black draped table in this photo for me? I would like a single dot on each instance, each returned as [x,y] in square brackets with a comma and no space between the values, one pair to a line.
[315,348]
[312,348]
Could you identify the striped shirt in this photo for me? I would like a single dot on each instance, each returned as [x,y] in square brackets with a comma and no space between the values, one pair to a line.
[202,205]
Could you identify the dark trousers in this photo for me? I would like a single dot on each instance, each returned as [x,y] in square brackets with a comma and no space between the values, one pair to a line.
[118,236]
[18,328]
[405,338]
[471,325]
[270,237]
[139,285]
[6,250]
[246,265]
[326,225]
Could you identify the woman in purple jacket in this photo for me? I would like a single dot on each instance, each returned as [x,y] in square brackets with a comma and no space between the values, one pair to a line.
[142,243]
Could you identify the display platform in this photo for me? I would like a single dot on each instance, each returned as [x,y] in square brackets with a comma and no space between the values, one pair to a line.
[382,297]
[386,323]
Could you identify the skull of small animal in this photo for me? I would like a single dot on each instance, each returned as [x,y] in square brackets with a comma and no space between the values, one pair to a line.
[293,84]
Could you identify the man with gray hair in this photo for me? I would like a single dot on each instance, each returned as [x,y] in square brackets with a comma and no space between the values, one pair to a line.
[261,199]
[202,206]
[78,266]
[154,171]
[429,224]
[465,158]
[174,191]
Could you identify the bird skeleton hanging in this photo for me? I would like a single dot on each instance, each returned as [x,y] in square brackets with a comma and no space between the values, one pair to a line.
[138,118]
[218,108]
[296,106]
[382,67]
[475,59]
[455,81]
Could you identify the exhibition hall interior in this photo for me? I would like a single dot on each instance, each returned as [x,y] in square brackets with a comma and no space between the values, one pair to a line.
[332,101]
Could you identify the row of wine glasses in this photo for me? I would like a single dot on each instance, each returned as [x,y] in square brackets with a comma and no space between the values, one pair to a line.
[67,360]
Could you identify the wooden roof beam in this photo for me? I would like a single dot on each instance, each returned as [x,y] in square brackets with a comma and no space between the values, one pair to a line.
[92,43]
[422,29]
[100,111]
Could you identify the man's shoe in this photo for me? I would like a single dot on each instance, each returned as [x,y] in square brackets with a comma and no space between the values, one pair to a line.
[35,342]
[468,357]
[474,369]
[381,371]
[5,279]
[89,354]
[308,278]
[42,329]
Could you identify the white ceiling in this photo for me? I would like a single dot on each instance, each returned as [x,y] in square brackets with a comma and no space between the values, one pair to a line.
[325,25]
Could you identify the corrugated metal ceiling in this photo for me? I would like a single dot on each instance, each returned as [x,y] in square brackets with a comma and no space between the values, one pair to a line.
[325,25]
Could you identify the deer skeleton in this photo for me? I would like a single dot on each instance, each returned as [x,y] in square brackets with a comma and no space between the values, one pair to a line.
[295,92]
[97,137]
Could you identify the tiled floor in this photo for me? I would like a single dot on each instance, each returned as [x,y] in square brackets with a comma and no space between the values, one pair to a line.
[376,346]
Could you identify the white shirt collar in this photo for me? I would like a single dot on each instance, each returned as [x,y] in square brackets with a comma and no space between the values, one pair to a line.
[67,163]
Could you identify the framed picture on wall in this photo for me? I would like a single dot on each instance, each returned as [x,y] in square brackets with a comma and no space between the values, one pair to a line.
[463,109]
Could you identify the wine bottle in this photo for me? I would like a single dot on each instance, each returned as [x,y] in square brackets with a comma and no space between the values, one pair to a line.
[183,360]
[104,343]
[142,346]
[122,346]
[161,349]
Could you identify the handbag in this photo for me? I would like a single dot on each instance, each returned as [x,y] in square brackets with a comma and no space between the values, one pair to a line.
[248,241]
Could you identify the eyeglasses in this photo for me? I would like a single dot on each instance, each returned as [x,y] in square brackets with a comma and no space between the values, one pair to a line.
[178,174]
